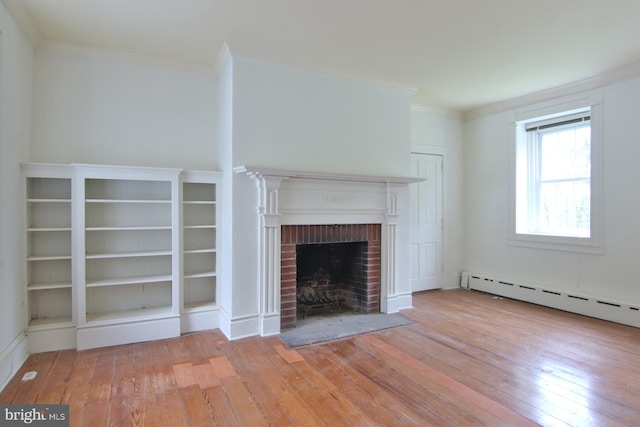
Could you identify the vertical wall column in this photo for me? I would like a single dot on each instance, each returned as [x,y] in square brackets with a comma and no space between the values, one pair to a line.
[269,268]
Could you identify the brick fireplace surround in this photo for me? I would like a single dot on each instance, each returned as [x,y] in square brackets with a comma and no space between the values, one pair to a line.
[292,235]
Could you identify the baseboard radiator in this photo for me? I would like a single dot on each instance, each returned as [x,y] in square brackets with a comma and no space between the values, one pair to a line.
[572,302]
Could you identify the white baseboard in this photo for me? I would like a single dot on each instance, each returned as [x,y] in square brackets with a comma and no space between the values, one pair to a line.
[270,324]
[52,339]
[239,327]
[200,320]
[12,358]
[399,302]
[104,335]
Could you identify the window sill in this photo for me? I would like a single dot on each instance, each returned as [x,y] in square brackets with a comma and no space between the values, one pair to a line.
[557,243]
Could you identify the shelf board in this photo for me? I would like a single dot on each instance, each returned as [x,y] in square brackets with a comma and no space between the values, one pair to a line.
[50,322]
[199,202]
[49,200]
[128,315]
[92,283]
[49,258]
[200,274]
[130,228]
[199,306]
[40,229]
[204,226]
[129,201]
[200,251]
[129,254]
[47,286]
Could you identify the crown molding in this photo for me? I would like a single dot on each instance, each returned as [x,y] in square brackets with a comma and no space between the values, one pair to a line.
[100,53]
[21,14]
[610,77]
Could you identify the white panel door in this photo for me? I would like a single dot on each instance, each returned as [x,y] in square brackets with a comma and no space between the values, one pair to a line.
[426,223]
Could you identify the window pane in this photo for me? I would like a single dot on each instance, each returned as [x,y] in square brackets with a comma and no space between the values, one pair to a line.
[565,154]
[565,208]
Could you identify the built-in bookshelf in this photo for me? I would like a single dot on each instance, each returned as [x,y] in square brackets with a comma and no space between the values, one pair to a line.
[199,249]
[118,254]
[48,271]
[129,249]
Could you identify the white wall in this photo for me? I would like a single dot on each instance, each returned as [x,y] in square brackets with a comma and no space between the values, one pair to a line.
[16,76]
[88,110]
[440,132]
[299,120]
[614,274]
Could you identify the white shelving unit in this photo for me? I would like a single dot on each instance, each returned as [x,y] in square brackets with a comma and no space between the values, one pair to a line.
[49,264]
[118,254]
[199,246]
[128,274]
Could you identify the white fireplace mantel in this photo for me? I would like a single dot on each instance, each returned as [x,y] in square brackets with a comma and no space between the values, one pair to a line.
[290,197]
[288,173]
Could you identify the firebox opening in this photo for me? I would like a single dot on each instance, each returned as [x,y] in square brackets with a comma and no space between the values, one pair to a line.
[331,277]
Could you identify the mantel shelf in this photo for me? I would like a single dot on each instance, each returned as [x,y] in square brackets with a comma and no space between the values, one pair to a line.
[287,173]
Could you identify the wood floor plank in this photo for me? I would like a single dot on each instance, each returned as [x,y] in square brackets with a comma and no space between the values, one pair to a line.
[521,396]
[429,405]
[170,408]
[242,402]
[206,376]
[293,402]
[97,409]
[332,395]
[123,393]
[362,392]
[146,403]
[248,361]
[219,406]
[26,392]
[222,367]
[470,395]
[56,381]
[197,406]
[184,374]
[467,360]
[77,388]
[290,356]
[559,378]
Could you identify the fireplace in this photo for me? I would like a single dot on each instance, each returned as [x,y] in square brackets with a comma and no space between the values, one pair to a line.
[300,208]
[326,267]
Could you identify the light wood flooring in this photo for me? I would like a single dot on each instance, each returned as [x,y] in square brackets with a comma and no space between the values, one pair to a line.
[468,360]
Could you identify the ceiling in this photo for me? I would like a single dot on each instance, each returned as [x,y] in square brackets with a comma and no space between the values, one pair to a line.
[456,54]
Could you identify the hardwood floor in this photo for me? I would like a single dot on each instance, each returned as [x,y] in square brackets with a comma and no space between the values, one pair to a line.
[468,360]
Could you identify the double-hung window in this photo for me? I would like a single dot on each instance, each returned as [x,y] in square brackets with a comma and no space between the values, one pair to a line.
[556,192]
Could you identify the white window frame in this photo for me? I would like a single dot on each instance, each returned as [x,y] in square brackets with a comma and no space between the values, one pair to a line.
[519,152]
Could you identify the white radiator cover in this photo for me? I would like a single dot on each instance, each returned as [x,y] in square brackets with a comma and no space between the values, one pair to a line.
[573,302]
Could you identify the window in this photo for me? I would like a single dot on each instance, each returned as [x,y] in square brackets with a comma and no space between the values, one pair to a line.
[557,173]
